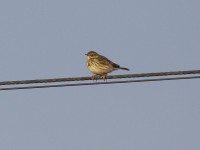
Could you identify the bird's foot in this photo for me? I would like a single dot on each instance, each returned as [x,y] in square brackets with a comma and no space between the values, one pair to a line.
[94,77]
[104,77]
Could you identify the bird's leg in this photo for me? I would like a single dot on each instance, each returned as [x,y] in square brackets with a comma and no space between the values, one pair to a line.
[104,76]
[93,77]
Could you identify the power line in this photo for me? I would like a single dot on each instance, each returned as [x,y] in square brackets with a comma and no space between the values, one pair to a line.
[189,72]
[98,83]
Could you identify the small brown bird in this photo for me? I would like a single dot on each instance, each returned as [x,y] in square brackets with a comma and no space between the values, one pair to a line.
[100,65]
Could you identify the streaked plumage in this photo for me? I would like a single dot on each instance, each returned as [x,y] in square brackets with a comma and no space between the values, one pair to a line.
[100,65]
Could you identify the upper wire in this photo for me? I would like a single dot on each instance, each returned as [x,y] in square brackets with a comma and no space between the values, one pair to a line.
[98,83]
[188,72]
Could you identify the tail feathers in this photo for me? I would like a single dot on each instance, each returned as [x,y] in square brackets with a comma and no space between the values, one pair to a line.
[124,68]
[116,66]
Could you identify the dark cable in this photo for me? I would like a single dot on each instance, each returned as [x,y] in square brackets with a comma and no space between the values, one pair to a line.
[109,77]
[98,83]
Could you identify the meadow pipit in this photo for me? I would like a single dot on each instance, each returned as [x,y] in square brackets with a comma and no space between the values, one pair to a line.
[100,65]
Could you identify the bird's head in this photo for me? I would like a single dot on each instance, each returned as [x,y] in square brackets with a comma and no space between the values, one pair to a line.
[92,54]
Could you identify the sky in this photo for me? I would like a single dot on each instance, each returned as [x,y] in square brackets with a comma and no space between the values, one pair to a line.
[44,39]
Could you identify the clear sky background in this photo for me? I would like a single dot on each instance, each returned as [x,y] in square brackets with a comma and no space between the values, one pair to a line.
[48,39]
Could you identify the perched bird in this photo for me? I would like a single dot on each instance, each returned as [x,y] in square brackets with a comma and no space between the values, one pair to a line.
[100,65]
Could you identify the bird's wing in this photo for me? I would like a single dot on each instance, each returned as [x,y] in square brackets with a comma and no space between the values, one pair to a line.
[106,61]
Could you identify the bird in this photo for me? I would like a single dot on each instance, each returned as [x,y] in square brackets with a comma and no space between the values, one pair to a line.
[100,65]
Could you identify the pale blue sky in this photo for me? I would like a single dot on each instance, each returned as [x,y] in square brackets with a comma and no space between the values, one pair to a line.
[48,39]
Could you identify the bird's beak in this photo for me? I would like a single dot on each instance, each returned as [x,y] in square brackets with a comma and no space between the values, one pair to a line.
[86,54]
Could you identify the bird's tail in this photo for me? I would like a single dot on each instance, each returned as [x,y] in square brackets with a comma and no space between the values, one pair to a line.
[124,68]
